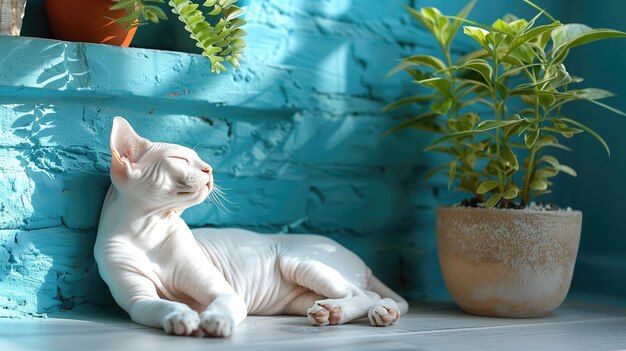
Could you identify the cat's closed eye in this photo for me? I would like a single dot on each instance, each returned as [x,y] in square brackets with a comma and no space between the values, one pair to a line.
[180,158]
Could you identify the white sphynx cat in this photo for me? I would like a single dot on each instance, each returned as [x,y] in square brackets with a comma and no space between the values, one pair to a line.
[205,281]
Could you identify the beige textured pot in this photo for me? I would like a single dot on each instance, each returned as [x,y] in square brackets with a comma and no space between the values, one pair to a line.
[507,263]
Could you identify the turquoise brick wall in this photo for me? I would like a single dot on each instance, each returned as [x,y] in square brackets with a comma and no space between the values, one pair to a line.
[296,134]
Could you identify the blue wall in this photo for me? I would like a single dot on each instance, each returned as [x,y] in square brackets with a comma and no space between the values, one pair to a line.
[600,188]
[296,134]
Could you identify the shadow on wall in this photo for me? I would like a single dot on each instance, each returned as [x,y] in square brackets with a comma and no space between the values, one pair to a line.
[320,72]
[322,166]
[363,200]
[70,69]
[58,210]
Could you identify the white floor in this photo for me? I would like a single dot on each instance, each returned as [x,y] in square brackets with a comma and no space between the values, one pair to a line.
[575,326]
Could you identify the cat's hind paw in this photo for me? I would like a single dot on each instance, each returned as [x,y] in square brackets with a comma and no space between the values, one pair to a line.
[324,314]
[384,313]
[181,323]
[215,325]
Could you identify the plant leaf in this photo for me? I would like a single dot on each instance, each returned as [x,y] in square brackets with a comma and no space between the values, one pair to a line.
[432,20]
[418,60]
[479,35]
[409,100]
[453,135]
[434,171]
[540,9]
[550,159]
[487,186]
[532,34]
[511,192]
[442,85]
[539,185]
[574,34]
[419,119]
[452,172]
[481,66]
[610,108]
[531,138]
[217,42]
[493,200]
[545,173]
[556,165]
[489,125]
[509,158]
[122,4]
[567,169]
[590,131]
[442,107]
[568,32]
[454,27]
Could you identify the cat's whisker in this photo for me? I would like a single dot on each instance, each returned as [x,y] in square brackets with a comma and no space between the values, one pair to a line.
[219,181]
[225,207]
[221,194]
[219,191]
[222,189]
[216,196]
[220,206]
[225,199]
[218,200]
[184,141]
[198,144]
[206,202]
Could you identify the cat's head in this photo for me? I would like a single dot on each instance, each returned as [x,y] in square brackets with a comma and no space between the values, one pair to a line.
[162,175]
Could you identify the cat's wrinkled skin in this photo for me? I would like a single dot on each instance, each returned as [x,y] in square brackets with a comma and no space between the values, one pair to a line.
[204,282]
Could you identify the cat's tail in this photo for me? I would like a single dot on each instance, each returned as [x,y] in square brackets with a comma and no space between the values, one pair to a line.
[384,291]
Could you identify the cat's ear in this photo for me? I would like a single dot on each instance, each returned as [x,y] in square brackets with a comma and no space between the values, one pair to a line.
[126,148]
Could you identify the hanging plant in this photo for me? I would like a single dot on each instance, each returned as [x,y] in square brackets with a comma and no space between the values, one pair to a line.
[214,25]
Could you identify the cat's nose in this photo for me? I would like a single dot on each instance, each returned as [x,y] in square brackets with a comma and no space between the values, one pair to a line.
[208,170]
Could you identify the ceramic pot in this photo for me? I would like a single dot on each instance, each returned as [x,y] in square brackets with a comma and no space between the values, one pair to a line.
[11,14]
[85,21]
[507,263]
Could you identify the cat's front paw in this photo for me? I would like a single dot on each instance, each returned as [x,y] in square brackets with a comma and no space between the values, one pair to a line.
[324,313]
[384,313]
[181,323]
[215,325]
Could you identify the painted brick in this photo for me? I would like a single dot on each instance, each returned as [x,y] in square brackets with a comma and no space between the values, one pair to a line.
[48,270]
[295,135]
[323,139]
[255,202]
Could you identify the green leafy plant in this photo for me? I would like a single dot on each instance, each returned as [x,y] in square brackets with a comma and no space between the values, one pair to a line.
[497,111]
[220,39]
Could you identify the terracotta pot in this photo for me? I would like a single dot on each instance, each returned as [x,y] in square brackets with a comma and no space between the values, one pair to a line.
[84,21]
[507,263]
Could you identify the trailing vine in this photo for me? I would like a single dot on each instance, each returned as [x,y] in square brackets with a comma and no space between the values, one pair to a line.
[220,42]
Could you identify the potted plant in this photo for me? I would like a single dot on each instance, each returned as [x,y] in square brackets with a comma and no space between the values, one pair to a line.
[218,33]
[498,114]
[88,21]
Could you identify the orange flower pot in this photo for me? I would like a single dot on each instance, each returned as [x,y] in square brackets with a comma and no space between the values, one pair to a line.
[85,21]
